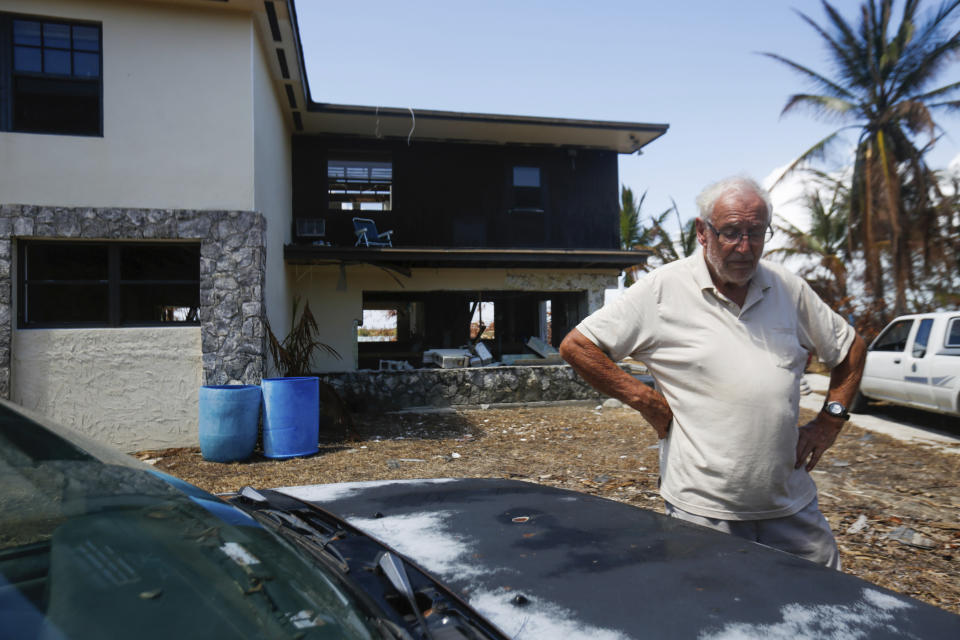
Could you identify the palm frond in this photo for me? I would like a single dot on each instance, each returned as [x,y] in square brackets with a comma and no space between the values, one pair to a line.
[816,152]
[827,107]
[292,355]
[817,79]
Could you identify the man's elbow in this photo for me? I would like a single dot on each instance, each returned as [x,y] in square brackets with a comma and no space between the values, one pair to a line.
[858,353]
[570,346]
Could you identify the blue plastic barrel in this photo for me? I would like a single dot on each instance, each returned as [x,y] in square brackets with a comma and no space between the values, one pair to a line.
[291,416]
[228,419]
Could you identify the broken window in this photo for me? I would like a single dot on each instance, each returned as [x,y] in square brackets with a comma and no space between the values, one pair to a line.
[482,325]
[359,185]
[506,322]
[379,325]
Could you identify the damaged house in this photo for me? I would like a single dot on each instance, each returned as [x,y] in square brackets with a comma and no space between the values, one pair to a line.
[168,184]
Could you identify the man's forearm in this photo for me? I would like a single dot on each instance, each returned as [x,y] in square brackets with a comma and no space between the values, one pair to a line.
[605,376]
[819,434]
[845,377]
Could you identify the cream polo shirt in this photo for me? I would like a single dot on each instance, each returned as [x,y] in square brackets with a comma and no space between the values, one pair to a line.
[732,378]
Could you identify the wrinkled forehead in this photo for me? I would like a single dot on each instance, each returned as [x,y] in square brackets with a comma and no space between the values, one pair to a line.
[739,207]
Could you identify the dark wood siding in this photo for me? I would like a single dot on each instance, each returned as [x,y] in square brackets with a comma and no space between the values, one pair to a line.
[461,195]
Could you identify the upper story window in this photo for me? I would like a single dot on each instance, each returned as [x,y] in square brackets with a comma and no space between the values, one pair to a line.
[359,185]
[92,284]
[50,80]
[527,189]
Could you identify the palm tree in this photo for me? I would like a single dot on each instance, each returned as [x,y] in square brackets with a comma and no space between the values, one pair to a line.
[630,218]
[666,249]
[882,89]
[635,235]
[632,235]
[824,246]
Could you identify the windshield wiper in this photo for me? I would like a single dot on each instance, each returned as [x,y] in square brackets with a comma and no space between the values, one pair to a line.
[304,534]
[396,573]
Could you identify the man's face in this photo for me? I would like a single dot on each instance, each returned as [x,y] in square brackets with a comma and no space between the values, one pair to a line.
[734,263]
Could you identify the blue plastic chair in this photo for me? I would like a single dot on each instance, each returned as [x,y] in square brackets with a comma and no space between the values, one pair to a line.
[368,236]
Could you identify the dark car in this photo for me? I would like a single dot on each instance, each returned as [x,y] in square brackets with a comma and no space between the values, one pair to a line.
[94,544]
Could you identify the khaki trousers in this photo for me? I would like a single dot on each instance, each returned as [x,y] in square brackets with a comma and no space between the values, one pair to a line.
[806,533]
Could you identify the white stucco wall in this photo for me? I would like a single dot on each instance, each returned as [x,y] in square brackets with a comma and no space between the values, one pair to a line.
[273,183]
[337,310]
[129,388]
[192,121]
[177,114]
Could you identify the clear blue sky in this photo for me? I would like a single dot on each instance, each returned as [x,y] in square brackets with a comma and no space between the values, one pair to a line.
[692,64]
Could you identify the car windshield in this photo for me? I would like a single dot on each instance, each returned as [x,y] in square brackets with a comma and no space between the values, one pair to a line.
[95,550]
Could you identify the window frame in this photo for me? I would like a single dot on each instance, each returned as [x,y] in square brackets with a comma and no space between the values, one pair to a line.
[113,281]
[948,334]
[922,338]
[520,193]
[353,161]
[885,335]
[9,76]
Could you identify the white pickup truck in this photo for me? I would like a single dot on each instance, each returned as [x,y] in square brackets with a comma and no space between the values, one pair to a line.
[915,362]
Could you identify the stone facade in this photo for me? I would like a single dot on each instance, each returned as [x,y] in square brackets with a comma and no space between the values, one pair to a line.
[368,390]
[232,272]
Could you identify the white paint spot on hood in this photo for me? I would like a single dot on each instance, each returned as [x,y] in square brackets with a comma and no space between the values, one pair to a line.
[836,622]
[330,492]
[423,537]
[536,619]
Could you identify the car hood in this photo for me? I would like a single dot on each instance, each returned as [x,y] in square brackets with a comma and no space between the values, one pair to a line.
[541,562]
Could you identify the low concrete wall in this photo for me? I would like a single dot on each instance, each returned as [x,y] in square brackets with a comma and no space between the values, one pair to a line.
[368,390]
[131,388]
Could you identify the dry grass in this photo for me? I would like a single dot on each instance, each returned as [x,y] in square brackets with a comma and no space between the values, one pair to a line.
[612,453]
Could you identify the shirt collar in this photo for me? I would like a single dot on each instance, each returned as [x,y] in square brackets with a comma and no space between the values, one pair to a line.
[759,283]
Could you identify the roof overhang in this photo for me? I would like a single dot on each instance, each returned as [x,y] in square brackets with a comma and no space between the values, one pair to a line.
[387,122]
[310,117]
[403,259]
[277,28]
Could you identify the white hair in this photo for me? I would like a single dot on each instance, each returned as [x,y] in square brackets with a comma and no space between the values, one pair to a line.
[735,184]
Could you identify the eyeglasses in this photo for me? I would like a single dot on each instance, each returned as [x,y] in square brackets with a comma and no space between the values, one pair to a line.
[732,237]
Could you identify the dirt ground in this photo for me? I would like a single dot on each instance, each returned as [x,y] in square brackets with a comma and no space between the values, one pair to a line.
[893,506]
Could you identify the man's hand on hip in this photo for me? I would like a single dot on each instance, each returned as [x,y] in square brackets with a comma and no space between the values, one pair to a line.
[815,437]
[656,411]
[604,375]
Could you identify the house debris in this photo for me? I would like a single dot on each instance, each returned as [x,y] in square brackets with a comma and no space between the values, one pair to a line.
[478,355]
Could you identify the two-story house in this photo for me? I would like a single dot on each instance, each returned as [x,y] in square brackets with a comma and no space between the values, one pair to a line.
[166,184]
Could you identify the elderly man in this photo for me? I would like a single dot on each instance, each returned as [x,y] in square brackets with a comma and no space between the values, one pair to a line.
[726,335]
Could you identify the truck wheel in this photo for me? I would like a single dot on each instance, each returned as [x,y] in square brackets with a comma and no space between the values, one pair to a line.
[860,404]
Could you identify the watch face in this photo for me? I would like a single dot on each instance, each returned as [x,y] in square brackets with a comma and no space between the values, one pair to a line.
[835,408]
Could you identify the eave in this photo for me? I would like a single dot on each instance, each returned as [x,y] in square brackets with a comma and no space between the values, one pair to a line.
[413,124]
[477,128]
[403,259]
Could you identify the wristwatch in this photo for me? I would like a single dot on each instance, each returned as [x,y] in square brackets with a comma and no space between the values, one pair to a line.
[836,409]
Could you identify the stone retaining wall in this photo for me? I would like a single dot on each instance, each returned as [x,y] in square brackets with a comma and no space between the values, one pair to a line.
[368,390]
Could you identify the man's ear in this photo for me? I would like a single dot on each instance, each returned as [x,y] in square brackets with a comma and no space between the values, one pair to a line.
[701,231]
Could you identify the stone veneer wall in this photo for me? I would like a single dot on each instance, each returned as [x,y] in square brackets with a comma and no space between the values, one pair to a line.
[369,390]
[232,272]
